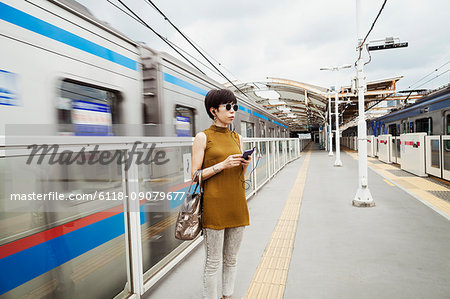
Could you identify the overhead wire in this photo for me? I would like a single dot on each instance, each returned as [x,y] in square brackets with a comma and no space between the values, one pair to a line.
[390,95]
[189,41]
[198,46]
[159,35]
[168,40]
[193,57]
[437,76]
[370,30]
[435,70]
[219,63]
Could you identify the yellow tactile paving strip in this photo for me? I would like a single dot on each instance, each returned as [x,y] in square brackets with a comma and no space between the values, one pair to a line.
[416,185]
[270,277]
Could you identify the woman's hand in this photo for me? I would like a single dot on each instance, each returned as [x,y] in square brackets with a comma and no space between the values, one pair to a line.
[246,162]
[232,161]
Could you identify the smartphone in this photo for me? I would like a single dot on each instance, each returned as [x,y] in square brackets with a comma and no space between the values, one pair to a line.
[247,153]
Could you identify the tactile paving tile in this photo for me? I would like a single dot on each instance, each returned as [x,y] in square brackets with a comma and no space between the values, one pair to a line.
[405,183]
[440,183]
[445,195]
[269,280]
[400,173]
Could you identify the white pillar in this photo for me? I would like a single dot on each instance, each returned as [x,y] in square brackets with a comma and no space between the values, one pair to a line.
[363,197]
[330,131]
[337,162]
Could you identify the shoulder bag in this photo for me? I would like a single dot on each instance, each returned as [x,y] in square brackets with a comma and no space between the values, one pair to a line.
[189,220]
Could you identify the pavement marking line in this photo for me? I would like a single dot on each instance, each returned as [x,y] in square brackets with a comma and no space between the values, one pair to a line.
[269,280]
[418,187]
[389,183]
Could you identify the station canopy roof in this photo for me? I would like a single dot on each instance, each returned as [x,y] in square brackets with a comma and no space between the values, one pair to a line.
[303,106]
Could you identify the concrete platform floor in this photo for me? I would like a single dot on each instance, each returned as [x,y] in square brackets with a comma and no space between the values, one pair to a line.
[397,249]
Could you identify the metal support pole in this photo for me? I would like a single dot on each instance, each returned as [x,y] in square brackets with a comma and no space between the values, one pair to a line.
[337,162]
[330,131]
[363,197]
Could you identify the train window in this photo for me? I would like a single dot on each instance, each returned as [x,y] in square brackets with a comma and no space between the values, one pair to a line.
[243,129]
[404,128]
[411,127]
[448,124]
[271,132]
[262,129]
[424,125]
[247,129]
[184,121]
[393,129]
[84,109]
[447,146]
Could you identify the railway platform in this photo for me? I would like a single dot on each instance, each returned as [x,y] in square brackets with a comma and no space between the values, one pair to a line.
[306,240]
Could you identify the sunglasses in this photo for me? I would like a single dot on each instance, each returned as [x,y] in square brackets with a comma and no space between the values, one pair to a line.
[229,106]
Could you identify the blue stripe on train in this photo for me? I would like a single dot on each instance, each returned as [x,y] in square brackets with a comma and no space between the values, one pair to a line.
[30,263]
[184,84]
[260,115]
[189,86]
[34,261]
[24,20]
[179,198]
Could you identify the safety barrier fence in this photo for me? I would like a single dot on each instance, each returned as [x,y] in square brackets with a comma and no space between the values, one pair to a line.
[416,153]
[438,156]
[95,216]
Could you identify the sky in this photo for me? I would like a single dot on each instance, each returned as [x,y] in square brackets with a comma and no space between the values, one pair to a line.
[287,39]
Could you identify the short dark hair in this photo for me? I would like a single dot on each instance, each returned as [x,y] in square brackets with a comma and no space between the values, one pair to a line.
[215,97]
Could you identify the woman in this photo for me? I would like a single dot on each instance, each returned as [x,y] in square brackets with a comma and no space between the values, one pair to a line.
[218,152]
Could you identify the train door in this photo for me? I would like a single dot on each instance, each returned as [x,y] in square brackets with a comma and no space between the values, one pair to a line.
[392,129]
[184,121]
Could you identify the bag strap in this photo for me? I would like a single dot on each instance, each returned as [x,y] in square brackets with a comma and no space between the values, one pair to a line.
[198,173]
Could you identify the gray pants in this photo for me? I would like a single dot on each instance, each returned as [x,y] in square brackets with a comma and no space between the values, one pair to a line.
[221,243]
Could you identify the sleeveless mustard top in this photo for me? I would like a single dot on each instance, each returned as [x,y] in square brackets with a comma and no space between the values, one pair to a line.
[224,203]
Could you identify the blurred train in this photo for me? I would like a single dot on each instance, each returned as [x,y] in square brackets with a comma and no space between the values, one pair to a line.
[430,115]
[62,66]
[64,72]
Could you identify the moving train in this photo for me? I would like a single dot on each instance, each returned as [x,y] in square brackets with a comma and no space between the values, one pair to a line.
[429,115]
[67,69]
[65,73]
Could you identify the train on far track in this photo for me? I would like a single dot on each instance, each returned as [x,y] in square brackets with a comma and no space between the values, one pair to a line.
[429,117]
